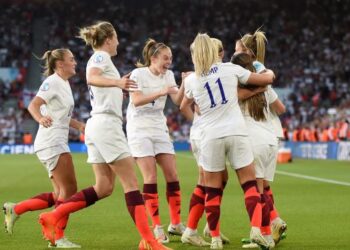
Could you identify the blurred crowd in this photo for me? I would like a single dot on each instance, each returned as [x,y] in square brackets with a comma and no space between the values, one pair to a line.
[310,58]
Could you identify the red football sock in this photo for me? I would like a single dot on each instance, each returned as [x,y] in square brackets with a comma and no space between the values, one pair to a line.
[77,202]
[137,211]
[271,201]
[41,201]
[173,195]
[150,196]
[265,223]
[212,209]
[252,202]
[196,207]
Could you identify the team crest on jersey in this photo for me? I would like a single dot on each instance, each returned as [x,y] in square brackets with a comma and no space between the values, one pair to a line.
[98,59]
[45,86]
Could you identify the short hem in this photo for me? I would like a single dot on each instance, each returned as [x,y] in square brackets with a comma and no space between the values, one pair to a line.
[215,171]
[120,157]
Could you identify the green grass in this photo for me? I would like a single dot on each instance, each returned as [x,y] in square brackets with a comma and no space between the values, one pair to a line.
[317,213]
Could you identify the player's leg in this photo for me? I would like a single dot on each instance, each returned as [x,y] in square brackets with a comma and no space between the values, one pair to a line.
[147,166]
[167,163]
[64,180]
[196,210]
[105,179]
[124,169]
[241,157]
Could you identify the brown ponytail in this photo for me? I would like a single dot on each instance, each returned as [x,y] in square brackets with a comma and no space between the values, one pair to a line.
[256,104]
[151,48]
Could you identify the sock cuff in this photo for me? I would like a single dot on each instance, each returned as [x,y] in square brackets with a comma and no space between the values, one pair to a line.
[134,198]
[173,186]
[211,190]
[150,188]
[247,185]
[90,195]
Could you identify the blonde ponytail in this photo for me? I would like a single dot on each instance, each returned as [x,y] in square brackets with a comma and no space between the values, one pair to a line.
[50,58]
[95,35]
[204,53]
[256,44]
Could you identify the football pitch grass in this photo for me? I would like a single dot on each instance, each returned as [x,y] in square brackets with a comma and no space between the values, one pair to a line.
[317,209]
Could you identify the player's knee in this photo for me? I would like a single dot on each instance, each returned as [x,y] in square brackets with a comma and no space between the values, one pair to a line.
[150,178]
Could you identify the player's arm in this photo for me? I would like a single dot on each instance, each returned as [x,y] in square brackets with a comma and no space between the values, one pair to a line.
[244,93]
[262,79]
[34,110]
[186,103]
[278,107]
[187,112]
[177,97]
[77,125]
[139,99]
[94,77]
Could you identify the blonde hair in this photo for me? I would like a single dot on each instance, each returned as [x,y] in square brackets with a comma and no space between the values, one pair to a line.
[204,53]
[256,105]
[219,46]
[96,34]
[256,44]
[151,48]
[50,58]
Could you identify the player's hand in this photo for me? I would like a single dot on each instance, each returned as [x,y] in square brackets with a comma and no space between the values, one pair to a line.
[169,90]
[45,121]
[126,83]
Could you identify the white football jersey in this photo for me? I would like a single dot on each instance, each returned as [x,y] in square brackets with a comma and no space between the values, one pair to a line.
[216,96]
[151,115]
[262,132]
[57,94]
[195,131]
[259,67]
[105,100]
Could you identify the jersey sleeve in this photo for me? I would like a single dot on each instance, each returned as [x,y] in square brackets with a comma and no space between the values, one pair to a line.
[171,79]
[271,95]
[47,90]
[188,91]
[242,74]
[99,60]
[136,76]
[259,67]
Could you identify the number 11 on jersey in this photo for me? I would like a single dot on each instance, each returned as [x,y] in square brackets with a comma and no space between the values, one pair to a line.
[210,93]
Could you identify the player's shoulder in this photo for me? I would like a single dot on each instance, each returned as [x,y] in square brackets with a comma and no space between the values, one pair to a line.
[100,57]
[138,70]
[169,73]
[50,82]
[227,66]
[191,77]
